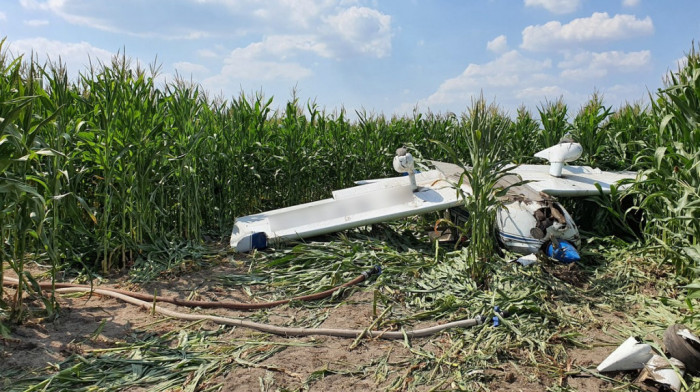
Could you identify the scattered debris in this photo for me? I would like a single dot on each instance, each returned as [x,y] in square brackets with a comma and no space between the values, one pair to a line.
[683,344]
[630,355]
[527,260]
[529,220]
[660,370]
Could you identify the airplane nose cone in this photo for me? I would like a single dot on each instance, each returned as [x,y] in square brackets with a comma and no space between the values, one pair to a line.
[565,253]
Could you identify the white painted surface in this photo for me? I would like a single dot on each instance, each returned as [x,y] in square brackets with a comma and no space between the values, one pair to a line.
[389,199]
[361,205]
[575,181]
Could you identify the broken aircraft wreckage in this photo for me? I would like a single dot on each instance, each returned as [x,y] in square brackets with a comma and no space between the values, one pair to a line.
[530,219]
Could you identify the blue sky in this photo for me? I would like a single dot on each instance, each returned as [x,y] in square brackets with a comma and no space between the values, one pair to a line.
[381,56]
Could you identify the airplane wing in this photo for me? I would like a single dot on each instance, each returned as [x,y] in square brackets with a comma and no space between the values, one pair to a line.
[575,181]
[381,200]
[374,202]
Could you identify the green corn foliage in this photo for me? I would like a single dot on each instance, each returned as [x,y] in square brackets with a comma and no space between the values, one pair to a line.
[120,172]
[668,192]
[24,111]
[484,129]
[589,129]
[114,171]
[521,143]
[628,134]
[553,117]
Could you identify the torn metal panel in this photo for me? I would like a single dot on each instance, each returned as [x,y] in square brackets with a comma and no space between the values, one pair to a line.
[667,372]
[630,355]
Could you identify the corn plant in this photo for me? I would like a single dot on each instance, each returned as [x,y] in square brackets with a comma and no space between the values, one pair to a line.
[23,208]
[141,170]
[628,135]
[484,128]
[668,190]
[553,117]
[521,143]
[589,130]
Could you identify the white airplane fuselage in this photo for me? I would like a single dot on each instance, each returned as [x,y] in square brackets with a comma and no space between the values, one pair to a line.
[529,219]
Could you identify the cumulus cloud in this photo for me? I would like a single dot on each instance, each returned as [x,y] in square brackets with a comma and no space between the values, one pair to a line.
[282,47]
[516,78]
[271,59]
[541,92]
[555,6]
[330,30]
[498,44]
[283,14]
[68,10]
[590,65]
[207,53]
[342,27]
[510,72]
[75,55]
[600,27]
[186,68]
[363,30]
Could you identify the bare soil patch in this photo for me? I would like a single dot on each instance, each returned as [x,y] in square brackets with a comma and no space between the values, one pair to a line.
[91,325]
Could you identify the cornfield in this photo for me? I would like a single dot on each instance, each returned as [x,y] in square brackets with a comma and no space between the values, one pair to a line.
[113,172]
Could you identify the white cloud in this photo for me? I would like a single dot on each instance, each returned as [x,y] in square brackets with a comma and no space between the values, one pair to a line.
[510,72]
[281,47]
[299,13]
[516,78]
[185,68]
[207,53]
[625,93]
[590,65]
[270,59]
[600,27]
[76,56]
[347,30]
[61,9]
[363,30]
[3,16]
[113,17]
[541,93]
[555,6]
[498,44]
[283,14]
[630,3]
[36,22]
[344,32]
[35,4]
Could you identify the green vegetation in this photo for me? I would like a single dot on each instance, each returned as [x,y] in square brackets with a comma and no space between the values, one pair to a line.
[114,172]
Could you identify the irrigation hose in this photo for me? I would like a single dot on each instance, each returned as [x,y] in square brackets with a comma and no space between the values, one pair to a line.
[272,329]
[210,304]
[282,331]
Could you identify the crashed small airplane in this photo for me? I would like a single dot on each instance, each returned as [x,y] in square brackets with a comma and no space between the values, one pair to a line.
[530,219]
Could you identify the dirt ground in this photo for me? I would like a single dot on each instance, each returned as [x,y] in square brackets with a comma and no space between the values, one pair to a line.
[95,323]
